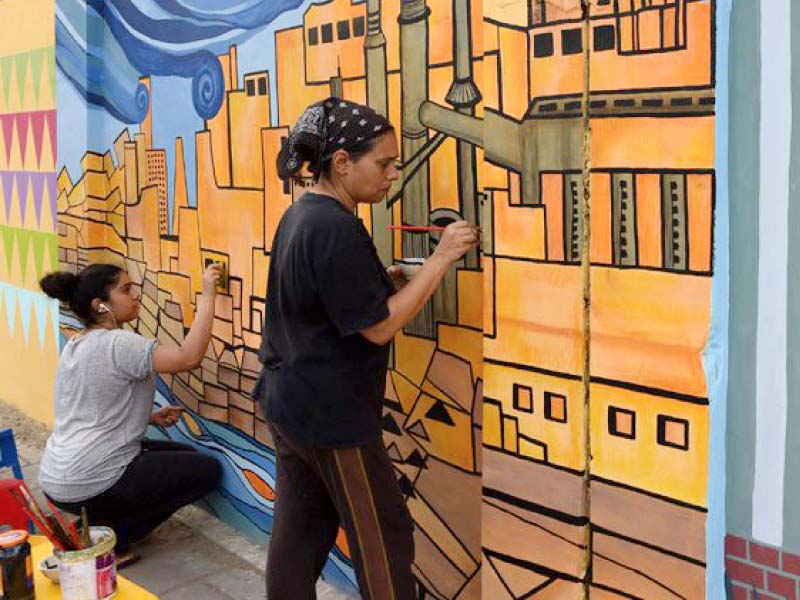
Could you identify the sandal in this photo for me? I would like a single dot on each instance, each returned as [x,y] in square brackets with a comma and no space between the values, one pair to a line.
[126,558]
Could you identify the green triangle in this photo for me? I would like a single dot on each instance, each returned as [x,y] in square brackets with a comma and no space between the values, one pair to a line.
[5,74]
[8,241]
[52,248]
[22,70]
[50,65]
[36,68]
[23,242]
[41,241]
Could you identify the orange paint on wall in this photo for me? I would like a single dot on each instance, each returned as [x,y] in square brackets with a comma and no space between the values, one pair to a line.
[513,71]
[553,200]
[650,327]
[602,251]
[648,142]
[648,219]
[699,209]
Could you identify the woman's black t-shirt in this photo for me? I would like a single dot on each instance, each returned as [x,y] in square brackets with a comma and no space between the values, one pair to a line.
[322,380]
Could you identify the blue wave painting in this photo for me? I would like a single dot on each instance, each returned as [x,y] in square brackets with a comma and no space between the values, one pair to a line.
[105,46]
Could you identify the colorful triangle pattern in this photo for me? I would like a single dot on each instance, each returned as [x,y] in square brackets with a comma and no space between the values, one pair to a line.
[29,304]
[20,246]
[22,182]
[40,63]
[14,128]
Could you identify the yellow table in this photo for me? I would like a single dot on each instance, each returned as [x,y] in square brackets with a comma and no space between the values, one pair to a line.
[46,589]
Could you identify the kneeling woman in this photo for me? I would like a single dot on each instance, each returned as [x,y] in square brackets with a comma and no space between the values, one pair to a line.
[97,456]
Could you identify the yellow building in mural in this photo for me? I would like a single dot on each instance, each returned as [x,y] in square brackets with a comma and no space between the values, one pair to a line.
[652,196]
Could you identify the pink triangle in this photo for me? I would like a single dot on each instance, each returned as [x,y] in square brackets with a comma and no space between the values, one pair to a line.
[8,187]
[50,115]
[8,130]
[38,180]
[37,122]
[23,179]
[52,191]
[22,133]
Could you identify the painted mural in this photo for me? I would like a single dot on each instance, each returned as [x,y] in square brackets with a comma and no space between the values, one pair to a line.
[614,507]
[171,115]
[29,248]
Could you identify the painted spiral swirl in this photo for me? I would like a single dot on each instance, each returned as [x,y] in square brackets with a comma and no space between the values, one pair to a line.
[208,88]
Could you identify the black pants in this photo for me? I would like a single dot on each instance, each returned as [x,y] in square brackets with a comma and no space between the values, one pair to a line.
[316,490]
[164,477]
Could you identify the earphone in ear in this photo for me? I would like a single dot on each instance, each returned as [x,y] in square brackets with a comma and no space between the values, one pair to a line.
[102,308]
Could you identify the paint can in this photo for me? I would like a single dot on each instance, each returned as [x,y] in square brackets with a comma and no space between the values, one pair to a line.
[89,574]
[16,566]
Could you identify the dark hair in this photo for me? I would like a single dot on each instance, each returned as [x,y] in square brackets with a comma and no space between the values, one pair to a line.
[78,291]
[309,143]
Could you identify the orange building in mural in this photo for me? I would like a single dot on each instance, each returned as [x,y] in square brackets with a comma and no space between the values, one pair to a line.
[652,160]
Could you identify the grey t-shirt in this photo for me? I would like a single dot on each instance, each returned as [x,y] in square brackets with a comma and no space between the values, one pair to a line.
[104,393]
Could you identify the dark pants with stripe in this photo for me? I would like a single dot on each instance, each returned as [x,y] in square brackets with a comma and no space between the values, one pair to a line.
[317,490]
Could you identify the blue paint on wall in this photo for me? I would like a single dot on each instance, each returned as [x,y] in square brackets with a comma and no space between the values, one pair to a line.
[715,358]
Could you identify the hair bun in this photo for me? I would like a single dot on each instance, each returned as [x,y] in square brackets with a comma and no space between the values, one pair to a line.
[60,285]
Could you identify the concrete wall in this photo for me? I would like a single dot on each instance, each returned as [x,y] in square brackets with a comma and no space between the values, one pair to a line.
[763,412]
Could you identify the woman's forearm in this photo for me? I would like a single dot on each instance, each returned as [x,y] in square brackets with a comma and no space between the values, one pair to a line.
[405,304]
[196,341]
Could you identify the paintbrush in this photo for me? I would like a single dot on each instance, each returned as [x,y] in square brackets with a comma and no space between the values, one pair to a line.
[46,531]
[415,228]
[73,530]
[59,532]
[61,522]
[86,539]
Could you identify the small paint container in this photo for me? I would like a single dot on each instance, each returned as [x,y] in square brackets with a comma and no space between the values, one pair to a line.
[89,574]
[16,579]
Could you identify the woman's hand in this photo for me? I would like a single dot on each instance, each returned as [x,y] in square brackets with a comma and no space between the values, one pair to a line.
[457,239]
[167,416]
[211,279]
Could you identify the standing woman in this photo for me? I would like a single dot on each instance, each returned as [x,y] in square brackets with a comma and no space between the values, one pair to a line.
[332,310]
[97,456]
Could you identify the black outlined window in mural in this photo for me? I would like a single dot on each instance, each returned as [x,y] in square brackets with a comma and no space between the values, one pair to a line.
[555,407]
[571,41]
[327,33]
[621,422]
[604,38]
[543,45]
[343,30]
[673,432]
[313,36]
[358,27]
[523,398]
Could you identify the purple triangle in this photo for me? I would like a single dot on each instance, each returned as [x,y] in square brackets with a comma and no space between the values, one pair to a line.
[51,127]
[37,123]
[52,191]
[22,133]
[8,130]
[8,188]
[23,179]
[38,187]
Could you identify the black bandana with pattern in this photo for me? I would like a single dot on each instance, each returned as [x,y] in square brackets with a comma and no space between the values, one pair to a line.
[326,127]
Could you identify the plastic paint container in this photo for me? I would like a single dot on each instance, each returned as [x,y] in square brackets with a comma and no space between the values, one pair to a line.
[89,574]
[16,566]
